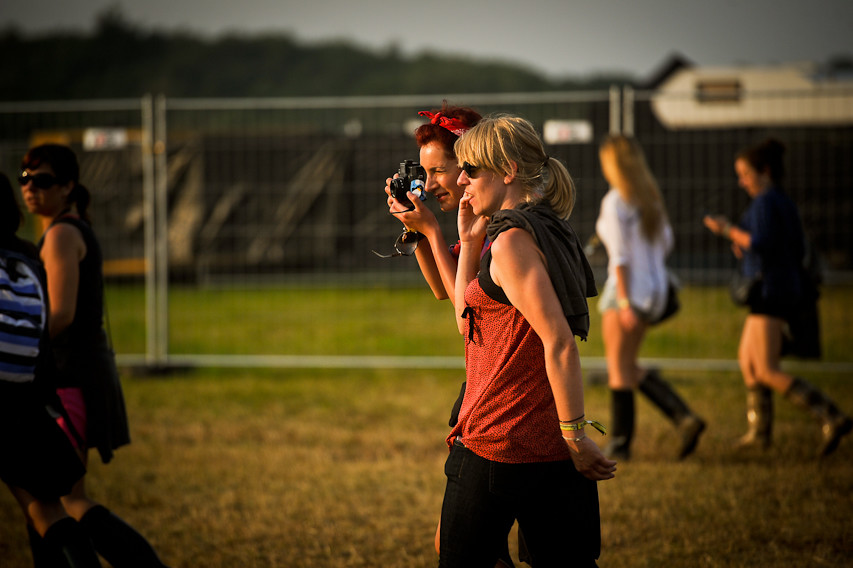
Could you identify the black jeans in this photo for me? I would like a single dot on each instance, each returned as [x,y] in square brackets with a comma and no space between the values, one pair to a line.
[556,507]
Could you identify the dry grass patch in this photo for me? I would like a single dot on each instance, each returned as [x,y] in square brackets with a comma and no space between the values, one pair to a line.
[345,469]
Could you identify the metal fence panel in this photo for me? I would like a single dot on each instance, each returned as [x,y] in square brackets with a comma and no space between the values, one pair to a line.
[693,158]
[112,141]
[245,194]
[292,188]
[289,192]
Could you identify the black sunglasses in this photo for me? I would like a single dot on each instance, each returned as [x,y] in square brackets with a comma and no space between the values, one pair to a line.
[39,181]
[469,169]
[405,245]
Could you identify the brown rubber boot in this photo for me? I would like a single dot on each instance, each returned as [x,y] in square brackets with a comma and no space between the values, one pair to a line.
[834,423]
[759,419]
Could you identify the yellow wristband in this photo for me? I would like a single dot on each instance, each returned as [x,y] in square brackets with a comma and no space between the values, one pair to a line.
[580,425]
[623,303]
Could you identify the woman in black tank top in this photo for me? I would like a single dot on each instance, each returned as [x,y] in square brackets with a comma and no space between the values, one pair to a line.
[87,380]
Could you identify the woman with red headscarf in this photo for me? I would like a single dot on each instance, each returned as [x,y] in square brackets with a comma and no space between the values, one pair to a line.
[435,140]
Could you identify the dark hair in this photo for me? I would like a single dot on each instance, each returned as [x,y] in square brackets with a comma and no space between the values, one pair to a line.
[429,132]
[10,213]
[63,162]
[766,157]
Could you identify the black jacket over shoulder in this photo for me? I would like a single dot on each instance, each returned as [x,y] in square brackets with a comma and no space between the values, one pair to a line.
[567,264]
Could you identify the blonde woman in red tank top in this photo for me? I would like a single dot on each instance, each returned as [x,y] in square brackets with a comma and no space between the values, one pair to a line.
[519,450]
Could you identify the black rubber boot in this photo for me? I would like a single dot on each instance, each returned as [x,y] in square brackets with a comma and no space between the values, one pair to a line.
[834,423]
[44,556]
[759,419]
[689,426]
[67,544]
[622,425]
[118,542]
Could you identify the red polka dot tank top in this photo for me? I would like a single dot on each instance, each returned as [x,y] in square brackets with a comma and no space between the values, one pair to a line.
[508,413]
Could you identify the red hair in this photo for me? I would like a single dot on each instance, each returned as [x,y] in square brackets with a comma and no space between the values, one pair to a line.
[433,132]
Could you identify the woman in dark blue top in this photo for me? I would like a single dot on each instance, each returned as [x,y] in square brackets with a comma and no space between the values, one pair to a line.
[770,242]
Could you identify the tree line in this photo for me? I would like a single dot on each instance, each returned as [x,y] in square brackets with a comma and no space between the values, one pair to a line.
[119,59]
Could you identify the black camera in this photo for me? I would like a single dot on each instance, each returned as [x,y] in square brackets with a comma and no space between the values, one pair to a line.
[412,178]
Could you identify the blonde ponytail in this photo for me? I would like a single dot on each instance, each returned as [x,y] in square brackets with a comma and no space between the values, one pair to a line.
[498,141]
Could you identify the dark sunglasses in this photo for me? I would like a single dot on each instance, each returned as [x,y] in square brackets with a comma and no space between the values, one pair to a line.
[405,245]
[39,181]
[469,169]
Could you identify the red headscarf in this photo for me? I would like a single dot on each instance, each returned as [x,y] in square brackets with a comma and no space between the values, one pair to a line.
[454,125]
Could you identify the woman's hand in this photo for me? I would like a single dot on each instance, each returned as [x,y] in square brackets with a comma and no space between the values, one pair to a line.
[472,228]
[589,461]
[628,319]
[415,217]
[737,251]
[717,224]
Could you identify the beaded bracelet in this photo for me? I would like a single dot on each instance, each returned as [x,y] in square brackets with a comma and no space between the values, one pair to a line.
[573,419]
[579,426]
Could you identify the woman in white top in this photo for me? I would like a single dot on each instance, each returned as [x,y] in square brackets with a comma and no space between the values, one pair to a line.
[634,228]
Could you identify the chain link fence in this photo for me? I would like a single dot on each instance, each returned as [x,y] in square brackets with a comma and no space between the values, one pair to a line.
[240,194]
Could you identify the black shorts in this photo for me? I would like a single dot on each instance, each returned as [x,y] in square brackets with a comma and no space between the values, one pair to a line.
[37,455]
[767,307]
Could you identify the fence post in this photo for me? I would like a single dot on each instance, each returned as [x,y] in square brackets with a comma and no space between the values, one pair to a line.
[148,205]
[161,235]
[628,110]
[615,118]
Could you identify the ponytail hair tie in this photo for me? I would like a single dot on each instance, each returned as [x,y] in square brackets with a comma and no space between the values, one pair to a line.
[453,125]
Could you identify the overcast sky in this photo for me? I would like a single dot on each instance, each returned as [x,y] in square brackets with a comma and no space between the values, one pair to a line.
[556,37]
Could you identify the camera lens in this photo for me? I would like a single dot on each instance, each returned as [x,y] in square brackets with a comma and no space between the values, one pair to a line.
[398,188]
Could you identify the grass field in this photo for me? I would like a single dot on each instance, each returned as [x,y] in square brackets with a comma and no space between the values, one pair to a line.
[344,468]
[379,321]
